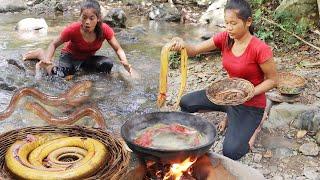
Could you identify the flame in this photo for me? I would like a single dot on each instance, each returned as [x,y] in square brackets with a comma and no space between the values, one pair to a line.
[176,170]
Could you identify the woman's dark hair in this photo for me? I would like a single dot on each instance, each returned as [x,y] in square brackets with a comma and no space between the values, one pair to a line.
[96,6]
[244,13]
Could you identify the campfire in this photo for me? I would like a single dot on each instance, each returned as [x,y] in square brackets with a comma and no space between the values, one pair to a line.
[177,169]
[186,170]
[157,170]
[149,136]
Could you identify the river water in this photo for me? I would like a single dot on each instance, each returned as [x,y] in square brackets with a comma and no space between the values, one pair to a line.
[118,96]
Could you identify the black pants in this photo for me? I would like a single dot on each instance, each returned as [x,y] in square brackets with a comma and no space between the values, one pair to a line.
[242,121]
[67,65]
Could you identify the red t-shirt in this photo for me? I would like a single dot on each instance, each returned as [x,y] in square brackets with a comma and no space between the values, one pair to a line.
[245,66]
[77,46]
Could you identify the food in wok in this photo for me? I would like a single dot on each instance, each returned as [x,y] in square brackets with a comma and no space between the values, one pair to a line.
[169,137]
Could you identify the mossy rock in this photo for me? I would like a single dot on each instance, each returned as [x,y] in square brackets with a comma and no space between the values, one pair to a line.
[299,9]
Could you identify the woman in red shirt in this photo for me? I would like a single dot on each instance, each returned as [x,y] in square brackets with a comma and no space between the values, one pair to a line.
[82,40]
[244,56]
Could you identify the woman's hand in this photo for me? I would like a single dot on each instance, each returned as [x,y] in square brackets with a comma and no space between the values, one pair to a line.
[127,66]
[176,44]
[46,62]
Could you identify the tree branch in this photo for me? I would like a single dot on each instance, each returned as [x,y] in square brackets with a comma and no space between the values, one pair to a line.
[291,33]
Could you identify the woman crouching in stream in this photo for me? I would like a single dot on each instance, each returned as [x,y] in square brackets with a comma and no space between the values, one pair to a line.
[82,39]
[243,56]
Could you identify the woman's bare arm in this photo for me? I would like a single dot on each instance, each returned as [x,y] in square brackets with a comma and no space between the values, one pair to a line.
[120,53]
[51,49]
[192,50]
[271,77]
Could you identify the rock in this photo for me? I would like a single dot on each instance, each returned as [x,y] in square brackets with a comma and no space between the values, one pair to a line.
[138,30]
[207,36]
[318,2]
[316,121]
[265,171]
[298,8]
[301,133]
[38,1]
[277,177]
[214,14]
[257,158]
[283,114]
[309,149]
[198,68]
[300,178]
[32,28]
[283,153]
[267,154]
[241,171]
[287,177]
[48,7]
[12,6]
[308,120]
[59,7]
[203,2]
[126,37]
[32,24]
[218,146]
[273,168]
[257,166]
[311,173]
[165,12]
[16,63]
[116,18]
[5,86]
[318,137]
[211,78]
[276,142]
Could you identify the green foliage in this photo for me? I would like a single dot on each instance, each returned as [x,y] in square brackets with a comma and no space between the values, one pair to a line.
[257,2]
[269,32]
[174,60]
[263,32]
[288,22]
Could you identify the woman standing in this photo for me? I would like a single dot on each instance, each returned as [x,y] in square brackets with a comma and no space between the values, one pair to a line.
[243,56]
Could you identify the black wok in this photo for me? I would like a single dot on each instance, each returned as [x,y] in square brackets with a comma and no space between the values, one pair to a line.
[140,122]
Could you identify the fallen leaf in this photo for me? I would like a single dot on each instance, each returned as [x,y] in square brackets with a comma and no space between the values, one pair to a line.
[304,48]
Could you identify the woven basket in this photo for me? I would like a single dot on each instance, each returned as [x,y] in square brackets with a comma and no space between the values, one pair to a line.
[115,167]
[290,84]
[230,91]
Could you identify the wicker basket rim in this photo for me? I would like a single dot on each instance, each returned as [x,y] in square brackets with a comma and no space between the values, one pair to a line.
[117,163]
[231,79]
[286,77]
[250,92]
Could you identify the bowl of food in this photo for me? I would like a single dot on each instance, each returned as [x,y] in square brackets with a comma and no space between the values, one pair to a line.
[290,84]
[230,91]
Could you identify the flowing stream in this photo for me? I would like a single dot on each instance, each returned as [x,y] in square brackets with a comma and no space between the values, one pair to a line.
[117,95]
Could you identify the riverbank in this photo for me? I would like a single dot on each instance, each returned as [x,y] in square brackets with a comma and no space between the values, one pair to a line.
[277,151]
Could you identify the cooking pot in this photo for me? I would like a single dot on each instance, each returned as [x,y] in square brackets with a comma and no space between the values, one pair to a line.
[138,123]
